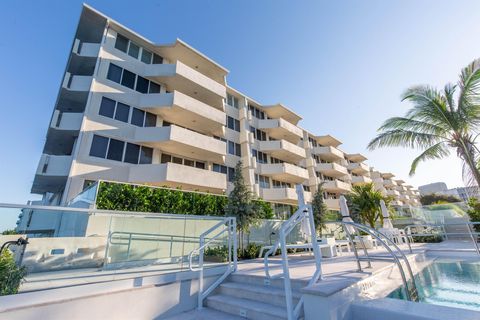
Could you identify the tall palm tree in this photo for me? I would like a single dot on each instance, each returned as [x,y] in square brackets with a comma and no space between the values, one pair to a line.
[364,203]
[439,122]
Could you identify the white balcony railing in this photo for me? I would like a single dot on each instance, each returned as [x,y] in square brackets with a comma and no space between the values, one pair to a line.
[54,165]
[283,172]
[66,120]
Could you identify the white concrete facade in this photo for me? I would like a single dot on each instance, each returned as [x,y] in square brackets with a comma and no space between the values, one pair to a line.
[129,110]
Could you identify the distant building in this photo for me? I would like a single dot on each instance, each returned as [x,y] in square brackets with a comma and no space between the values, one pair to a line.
[463,193]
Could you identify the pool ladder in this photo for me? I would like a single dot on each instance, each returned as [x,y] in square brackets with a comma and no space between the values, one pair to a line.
[395,256]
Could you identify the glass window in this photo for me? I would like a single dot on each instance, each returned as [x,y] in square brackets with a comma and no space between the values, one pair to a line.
[122,112]
[189,163]
[231,147]
[115,150]
[200,165]
[165,158]
[107,107]
[236,125]
[216,167]
[146,155]
[131,153]
[230,124]
[137,117]
[154,88]
[114,73]
[157,59]
[99,146]
[146,56]
[231,174]
[121,43]
[128,79]
[150,119]
[238,151]
[142,85]
[133,50]
[177,160]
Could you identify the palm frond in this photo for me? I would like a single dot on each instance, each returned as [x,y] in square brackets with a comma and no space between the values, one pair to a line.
[437,151]
[412,125]
[469,97]
[404,138]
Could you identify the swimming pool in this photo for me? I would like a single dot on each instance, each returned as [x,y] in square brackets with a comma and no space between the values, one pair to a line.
[446,283]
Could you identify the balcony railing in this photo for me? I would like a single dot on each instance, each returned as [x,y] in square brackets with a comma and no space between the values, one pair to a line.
[286,195]
[281,129]
[358,167]
[328,153]
[282,149]
[77,83]
[283,172]
[332,169]
[70,121]
[336,186]
[360,180]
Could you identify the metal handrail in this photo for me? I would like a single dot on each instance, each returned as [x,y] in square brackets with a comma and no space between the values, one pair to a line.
[304,212]
[471,234]
[231,227]
[385,241]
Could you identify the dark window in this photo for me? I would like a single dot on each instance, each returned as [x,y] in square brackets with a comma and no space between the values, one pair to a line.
[230,122]
[142,85]
[137,117]
[237,125]
[99,146]
[157,59]
[107,107]
[231,147]
[128,79]
[154,87]
[146,155]
[189,163]
[115,150]
[146,56]
[134,50]
[231,174]
[166,124]
[121,43]
[177,160]
[150,120]
[114,73]
[122,112]
[200,165]
[131,153]
[165,158]
[238,151]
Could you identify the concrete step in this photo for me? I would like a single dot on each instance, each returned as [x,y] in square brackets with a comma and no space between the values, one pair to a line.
[204,314]
[266,294]
[260,281]
[246,308]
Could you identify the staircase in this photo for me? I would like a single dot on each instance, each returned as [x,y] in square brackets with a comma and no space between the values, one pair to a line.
[249,297]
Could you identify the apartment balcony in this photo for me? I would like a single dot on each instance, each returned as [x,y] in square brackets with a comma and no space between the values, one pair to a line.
[394,193]
[332,169]
[358,168]
[179,76]
[178,108]
[177,175]
[86,49]
[389,183]
[184,142]
[281,129]
[328,153]
[332,204]
[76,82]
[283,150]
[360,180]
[336,186]
[404,197]
[283,172]
[66,121]
[284,195]
[52,172]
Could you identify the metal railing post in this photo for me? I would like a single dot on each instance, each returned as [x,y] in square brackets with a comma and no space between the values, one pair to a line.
[235,244]
[200,273]
[349,236]
[474,240]
[129,245]
[286,276]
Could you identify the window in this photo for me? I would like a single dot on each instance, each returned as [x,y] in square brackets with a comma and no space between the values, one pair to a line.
[261,157]
[232,101]
[263,181]
[154,87]
[146,155]
[165,158]
[189,163]
[313,142]
[114,73]
[157,59]
[133,50]
[142,85]
[115,150]
[177,160]
[260,135]
[121,43]
[231,174]
[275,160]
[137,117]
[200,165]
[233,124]
[280,184]
[146,56]
[122,112]
[99,146]
[131,153]
[128,79]
[257,113]
[150,119]
[234,148]
[107,107]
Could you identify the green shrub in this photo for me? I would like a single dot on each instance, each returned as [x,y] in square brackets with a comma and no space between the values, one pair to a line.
[217,254]
[474,212]
[11,275]
[251,251]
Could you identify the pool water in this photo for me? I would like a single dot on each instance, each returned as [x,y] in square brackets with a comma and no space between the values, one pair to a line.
[452,284]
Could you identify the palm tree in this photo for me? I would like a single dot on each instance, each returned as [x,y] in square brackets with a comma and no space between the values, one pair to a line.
[438,122]
[364,203]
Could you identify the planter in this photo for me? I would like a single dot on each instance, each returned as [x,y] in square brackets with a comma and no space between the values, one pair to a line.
[328,252]
[367,241]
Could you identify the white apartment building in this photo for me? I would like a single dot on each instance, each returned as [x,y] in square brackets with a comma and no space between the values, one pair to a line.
[132,111]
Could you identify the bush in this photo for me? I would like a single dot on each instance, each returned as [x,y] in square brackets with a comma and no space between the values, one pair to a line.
[11,275]
[251,251]
[474,212]
[216,254]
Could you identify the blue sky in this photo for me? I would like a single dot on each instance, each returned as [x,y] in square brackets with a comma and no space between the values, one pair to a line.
[342,65]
